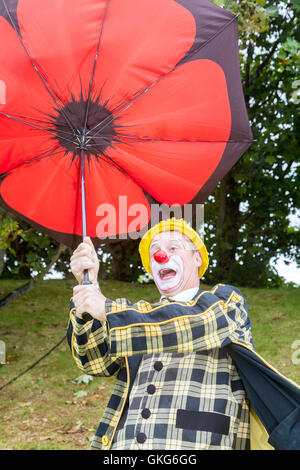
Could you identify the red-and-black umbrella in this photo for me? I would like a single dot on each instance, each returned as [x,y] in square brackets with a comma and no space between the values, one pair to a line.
[109,99]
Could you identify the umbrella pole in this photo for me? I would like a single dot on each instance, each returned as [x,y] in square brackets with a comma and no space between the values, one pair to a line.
[83,196]
[83,208]
[86,281]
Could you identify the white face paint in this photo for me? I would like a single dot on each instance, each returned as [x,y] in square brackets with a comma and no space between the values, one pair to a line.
[167,276]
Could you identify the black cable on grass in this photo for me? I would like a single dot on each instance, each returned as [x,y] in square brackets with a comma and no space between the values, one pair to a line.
[15,294]
[34,364]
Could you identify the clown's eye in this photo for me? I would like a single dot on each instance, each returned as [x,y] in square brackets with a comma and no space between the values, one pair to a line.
[174,248]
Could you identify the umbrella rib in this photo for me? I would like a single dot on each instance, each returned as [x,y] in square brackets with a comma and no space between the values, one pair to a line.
[132,139]
[38,121]
[190,141]
[108,118]
[36,69]
[22,121]
[45,154]
[93,70]
[105,158]
[145,90]
[119,106]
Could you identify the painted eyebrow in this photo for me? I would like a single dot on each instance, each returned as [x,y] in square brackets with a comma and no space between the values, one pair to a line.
[171,240]
[153,244]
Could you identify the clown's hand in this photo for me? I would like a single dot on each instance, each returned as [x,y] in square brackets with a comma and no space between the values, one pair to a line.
[85,257]
[89,299]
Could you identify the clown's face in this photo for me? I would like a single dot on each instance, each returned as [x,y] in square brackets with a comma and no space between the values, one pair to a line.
[174,262]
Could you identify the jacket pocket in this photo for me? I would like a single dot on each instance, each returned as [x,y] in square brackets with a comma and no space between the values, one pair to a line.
[203,421]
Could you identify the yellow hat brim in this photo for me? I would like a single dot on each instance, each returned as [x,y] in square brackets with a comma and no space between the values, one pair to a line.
[169,225]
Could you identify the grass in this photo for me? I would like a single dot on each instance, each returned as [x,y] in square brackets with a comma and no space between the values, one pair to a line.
[42,410]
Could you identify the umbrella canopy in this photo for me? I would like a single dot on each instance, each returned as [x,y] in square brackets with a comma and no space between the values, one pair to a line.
[109,101]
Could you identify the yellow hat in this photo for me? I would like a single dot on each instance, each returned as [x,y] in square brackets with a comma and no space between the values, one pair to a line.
[180,225]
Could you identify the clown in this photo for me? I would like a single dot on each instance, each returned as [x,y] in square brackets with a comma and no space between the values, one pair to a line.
[174,263]
[188,376]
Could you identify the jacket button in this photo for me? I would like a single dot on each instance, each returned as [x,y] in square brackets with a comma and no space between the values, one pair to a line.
[151,389]
[146,413]
[158,365]
[141,437]
[105,440]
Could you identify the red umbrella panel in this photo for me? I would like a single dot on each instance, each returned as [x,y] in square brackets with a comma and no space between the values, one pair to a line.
[108,99]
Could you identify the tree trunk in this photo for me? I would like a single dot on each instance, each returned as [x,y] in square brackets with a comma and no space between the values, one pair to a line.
[2,264]
[227,229]
[61,248]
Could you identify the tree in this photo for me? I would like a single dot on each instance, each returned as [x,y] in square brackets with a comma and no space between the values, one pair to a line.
[9,231]
[25,253]
[247,216]
[121,261]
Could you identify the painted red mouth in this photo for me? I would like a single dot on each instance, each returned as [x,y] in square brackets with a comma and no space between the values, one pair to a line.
[167,273]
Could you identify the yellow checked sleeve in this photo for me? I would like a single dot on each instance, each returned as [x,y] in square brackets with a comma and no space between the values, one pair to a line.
[212,320]
[89,345]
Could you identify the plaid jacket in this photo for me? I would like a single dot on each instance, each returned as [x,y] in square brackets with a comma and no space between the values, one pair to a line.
[213,319]
[183,402]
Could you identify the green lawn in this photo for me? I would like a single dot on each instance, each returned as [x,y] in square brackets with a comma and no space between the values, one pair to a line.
[42,409]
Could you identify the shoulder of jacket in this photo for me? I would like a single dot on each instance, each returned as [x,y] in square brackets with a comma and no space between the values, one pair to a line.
[225,291]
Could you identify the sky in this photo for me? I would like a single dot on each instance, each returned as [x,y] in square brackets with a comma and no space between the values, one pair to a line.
[291,273]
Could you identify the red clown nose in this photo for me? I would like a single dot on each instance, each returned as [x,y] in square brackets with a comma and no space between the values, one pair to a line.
[161,256]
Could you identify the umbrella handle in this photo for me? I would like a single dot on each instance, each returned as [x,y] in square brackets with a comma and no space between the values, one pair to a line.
[86,316]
